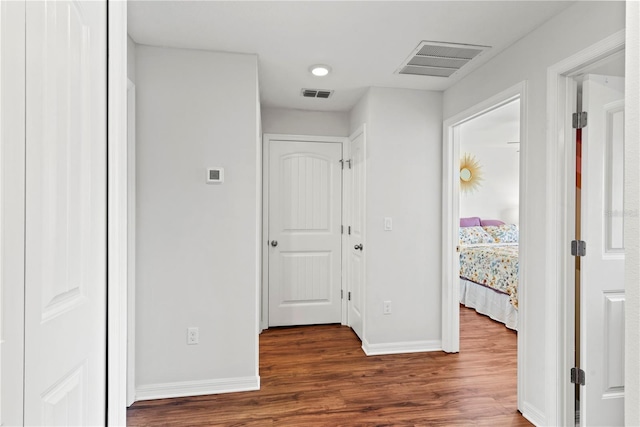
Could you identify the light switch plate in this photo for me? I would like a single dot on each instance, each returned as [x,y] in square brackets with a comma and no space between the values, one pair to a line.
[388,224]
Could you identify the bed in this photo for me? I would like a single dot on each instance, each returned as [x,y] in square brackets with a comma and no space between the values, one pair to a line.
[489,270]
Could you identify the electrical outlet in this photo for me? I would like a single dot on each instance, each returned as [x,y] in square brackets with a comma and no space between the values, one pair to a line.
[193,336]
[386,307]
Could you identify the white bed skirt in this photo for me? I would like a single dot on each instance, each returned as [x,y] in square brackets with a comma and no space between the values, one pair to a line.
[489,302]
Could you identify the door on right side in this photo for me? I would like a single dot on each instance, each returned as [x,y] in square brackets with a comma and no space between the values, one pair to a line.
[602,272]
[356,232]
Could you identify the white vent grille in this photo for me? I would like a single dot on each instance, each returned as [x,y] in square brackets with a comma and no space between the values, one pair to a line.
[316,93]
[438,59]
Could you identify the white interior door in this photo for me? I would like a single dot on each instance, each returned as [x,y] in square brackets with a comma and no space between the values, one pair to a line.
[355,237]
[65,222]
[305,210]
[602,270]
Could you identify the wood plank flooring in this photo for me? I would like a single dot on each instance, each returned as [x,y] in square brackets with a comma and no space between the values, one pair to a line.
[319,376]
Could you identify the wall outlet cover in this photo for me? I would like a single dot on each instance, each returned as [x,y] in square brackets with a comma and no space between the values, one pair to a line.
[193,336]
[386,307]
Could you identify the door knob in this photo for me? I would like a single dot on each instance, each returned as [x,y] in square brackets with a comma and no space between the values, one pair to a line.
[358,247]
[274,243]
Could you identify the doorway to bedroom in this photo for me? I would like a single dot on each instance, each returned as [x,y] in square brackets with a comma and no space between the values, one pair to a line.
[483,166]
[489,213]
[489,158]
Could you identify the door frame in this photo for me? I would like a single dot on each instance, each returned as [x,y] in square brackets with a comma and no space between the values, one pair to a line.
[560,180]
[266,146]
[116,399]
[451,215]
[131,242]
[12,209]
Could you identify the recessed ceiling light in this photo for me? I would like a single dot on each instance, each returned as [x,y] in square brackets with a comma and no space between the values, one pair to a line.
[320,70]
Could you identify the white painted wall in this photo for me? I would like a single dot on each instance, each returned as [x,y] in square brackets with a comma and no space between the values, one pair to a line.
[486,138]
[404,134]
[360,113]
[198,253]
[301,122]
[497,198]
[527,60]
[632,217]
[131,59]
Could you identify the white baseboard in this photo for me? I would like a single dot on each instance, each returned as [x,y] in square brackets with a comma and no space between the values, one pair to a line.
[401,347]
[532,414]
[197,388]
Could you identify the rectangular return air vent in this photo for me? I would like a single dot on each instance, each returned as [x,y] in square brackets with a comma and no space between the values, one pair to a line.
[439,59]
[316,93]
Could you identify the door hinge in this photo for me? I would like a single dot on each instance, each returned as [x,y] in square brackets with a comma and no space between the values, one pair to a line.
[349,296]
[578,248]
[579,120]
[341,294]
[577,376]
[342,162]
[349,230]
[342,229]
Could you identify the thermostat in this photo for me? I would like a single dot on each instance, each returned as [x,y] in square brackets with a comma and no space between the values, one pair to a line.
[215,175]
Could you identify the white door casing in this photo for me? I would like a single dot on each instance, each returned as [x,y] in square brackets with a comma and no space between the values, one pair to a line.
[304,248]
[602,269]
[131,241]
[117,204]
[559,275]
[356,245]
[65,257]
[12,134]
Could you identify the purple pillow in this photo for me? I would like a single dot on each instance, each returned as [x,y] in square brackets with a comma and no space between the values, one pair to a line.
[473,221]
[490,222]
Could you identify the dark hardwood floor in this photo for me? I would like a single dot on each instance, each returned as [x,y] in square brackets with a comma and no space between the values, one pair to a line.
[319,376]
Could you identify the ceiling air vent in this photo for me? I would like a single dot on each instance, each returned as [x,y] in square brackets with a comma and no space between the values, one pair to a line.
[316,93]
[439,59]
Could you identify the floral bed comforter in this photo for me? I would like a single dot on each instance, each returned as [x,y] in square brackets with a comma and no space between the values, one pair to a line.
[494,266]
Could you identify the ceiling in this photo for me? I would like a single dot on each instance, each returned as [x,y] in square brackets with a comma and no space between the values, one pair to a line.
[364,42]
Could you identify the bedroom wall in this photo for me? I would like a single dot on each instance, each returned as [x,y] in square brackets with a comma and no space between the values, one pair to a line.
[528,60]
[301,122]
[485,138]
[198,250]
[404,134]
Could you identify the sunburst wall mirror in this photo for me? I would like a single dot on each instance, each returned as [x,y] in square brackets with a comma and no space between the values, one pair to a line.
[470,173]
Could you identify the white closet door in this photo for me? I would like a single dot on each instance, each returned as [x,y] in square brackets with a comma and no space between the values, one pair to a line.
[304,231]
[356,248]
[65,258]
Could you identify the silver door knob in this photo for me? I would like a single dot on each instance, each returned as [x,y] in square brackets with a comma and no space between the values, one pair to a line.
[274,243]
[358,247]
